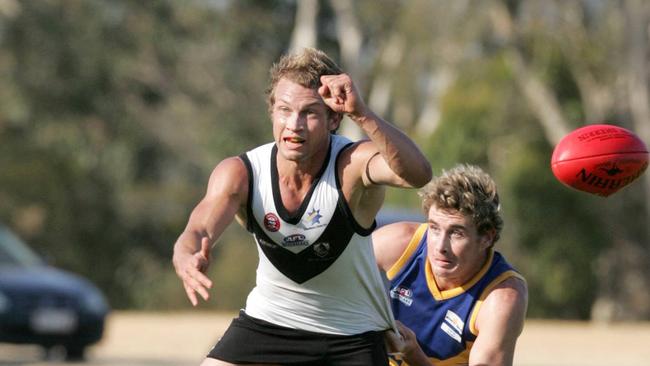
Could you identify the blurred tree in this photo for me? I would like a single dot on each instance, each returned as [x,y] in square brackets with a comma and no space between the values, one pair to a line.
[112,115]
[120,110]
[580,82]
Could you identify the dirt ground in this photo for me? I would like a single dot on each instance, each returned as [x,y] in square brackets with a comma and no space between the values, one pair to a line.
[182,339]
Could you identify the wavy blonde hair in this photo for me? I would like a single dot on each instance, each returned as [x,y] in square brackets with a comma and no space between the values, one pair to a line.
[466,189]
[304,67]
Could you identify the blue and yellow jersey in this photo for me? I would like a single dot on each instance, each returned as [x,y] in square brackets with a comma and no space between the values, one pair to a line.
[443,321]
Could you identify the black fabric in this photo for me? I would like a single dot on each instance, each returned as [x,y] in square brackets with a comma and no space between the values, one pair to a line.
[293,218]
[345,208]
[250,340]
[315,259]
[320,255]
[249,200]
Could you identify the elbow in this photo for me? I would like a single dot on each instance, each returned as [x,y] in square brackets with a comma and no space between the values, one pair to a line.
[422,176]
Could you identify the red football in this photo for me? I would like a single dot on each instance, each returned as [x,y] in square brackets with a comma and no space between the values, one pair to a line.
[599,159]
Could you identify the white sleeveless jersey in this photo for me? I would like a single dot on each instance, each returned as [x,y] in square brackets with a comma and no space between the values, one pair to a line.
[317,269]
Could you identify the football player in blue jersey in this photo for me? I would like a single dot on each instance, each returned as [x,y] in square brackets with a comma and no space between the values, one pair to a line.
[457,300]
[309,198]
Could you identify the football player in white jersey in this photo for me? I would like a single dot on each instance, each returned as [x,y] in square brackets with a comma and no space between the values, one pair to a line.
[317,300]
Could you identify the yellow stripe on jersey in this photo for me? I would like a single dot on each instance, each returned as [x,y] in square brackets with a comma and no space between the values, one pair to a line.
[502,277]
[460,359]
[408,252]
[448,294]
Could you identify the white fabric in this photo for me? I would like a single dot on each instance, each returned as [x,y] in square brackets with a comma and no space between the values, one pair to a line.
[348,297]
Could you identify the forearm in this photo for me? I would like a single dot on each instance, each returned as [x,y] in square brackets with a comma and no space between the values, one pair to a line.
[189,242]
[400,153]
[416,357]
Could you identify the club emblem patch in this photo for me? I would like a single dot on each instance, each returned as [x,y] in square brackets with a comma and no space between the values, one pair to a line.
[322,249]
[271,222]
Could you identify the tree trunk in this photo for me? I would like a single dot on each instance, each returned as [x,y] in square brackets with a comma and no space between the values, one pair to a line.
[304,31]
[540,98]
[350,41]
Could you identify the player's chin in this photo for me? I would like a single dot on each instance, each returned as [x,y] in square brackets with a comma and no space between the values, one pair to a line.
[443,268]
[292,155]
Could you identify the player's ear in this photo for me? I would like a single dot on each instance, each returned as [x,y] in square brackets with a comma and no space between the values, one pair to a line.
[487,238]
[334,120]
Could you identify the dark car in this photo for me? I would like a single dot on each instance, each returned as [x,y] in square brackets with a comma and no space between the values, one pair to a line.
[43,305]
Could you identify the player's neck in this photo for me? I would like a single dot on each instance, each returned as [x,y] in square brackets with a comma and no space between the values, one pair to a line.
[445,283]
[300,172]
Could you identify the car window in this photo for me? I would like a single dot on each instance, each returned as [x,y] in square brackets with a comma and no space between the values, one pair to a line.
[13,252]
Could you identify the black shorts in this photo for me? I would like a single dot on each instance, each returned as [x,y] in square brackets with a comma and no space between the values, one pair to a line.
[251,340]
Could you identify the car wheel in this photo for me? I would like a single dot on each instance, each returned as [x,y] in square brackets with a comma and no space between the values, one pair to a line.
[75,353]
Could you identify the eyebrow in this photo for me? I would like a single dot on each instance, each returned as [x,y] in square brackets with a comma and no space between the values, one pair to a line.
[307,106]
[456,226]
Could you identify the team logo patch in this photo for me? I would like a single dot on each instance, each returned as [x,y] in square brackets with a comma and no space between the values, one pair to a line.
[322,249]
[271,222]
[314,217]
[312,220]
[403,294]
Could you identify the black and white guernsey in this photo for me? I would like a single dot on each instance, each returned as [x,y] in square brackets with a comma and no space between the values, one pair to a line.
[317,269]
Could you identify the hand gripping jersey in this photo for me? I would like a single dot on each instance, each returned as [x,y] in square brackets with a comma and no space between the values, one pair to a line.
[317,269]
[443,321]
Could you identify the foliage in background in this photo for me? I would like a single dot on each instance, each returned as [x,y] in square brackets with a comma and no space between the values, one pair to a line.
[113,114]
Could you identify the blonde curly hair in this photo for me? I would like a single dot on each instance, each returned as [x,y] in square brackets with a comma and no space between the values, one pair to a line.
[466,189]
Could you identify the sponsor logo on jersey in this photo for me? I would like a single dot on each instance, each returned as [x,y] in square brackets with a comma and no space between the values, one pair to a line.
[450,332]
[403,294]
[271,222]
[294,240]
[322,249]
[265,243]
[455,321]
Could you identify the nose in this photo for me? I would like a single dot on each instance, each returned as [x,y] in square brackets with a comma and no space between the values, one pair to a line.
[295,122]
[439,243]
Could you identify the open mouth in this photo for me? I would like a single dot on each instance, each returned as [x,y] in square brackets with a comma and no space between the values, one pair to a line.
[294,140]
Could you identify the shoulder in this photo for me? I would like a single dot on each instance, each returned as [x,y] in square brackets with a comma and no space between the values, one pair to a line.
[357,151]
[231,166]
[499,323]
[390,241]
[511,293]
[507,302]
[229,176]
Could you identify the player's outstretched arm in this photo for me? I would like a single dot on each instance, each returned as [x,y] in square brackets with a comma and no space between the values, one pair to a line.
[500,322]
[226,193]
[399,161]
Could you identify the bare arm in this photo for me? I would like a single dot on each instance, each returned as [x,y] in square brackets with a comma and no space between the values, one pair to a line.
[226,193]
[500,322]
[390,241]
[400,162]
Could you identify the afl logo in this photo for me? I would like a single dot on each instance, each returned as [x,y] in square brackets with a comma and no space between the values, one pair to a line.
[271,222]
